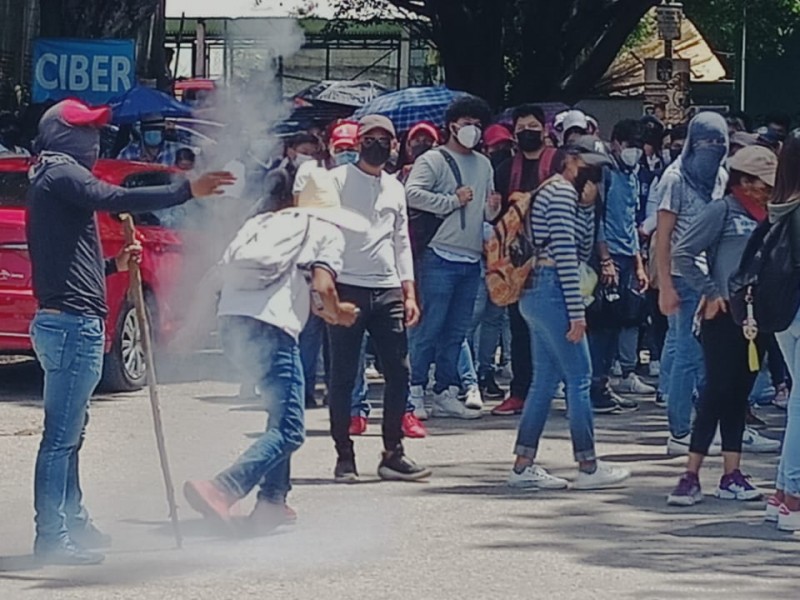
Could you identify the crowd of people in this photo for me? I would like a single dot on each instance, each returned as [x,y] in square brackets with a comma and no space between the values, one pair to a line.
[368,252]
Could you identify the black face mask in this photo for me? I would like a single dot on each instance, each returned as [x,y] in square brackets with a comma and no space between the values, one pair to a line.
[418,150]
[529,140]
[375,154]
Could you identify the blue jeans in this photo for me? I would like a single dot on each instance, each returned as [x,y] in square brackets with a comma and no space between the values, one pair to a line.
[789,466]
[667,359]
[310,344]
[270,357]
[70,350]
[447,294]
[485,330]
[687,371]
[555,359]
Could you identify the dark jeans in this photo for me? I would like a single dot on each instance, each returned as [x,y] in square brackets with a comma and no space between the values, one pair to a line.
[383,316]
[656,332]
[729,380]
[270,357]
[70,350]
[311,340]
[521,361]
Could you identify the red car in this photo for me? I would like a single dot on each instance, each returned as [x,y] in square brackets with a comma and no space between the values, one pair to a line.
[162,260]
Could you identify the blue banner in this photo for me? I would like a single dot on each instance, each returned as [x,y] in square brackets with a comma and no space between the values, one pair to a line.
[93,70]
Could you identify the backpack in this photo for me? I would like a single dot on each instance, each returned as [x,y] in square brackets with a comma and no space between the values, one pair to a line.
[265,250]
[766,286]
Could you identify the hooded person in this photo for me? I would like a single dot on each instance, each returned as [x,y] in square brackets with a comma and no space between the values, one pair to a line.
[68,331]
[688,185]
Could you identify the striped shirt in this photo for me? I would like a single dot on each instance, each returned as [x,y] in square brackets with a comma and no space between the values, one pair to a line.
[565,231]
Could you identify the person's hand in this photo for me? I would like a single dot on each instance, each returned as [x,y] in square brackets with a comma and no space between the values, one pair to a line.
[713,307]
[131,252]
[494,201]
[346,314]
[209,184]
[642,279]
[608,273]
[668,300]
[464,194]
[643,235]
[518,197]
[412,312]
[577,329]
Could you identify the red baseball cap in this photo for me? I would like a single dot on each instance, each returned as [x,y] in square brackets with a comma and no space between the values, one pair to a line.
[497,134]
[79,114]
[344,134]
[425,127]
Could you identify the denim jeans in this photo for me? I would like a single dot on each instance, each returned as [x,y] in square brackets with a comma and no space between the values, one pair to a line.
[447,295]
[311,341]
[667,358]
[70,350]
[687,372]
[521,359]
[485,330]
[789,466]
[271,357]
[555,359]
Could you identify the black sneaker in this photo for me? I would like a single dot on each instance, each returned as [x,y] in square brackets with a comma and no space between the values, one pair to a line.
[604,404]
[661,401]
[396,466]
[65,552]
[90,537]
[345,471]
[490,389]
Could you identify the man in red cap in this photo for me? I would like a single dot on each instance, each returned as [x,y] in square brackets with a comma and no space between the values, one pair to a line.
[68,330]
[499,143]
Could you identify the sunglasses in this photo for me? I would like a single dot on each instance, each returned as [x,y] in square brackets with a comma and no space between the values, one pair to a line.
[383,142]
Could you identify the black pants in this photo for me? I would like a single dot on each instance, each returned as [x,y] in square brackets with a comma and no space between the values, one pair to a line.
[521,360]
[656,332]
[729,381]
[383,315]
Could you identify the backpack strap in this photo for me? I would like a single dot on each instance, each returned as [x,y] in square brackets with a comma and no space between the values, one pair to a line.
[451,162]
[546,165]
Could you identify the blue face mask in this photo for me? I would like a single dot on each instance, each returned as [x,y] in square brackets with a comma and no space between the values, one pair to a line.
[703,164]
[153,137]
[348,157]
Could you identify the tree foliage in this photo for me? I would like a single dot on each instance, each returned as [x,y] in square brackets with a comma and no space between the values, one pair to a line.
[95,18]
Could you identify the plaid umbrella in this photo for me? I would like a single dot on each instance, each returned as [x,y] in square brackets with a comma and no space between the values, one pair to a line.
[410,106]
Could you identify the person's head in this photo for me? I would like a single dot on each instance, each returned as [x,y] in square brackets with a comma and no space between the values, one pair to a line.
[343,143]
[675,142]
[572,124]
[153,130]
[10,130]
[584,160]
[705,149]
[652,135]
[376,139]
[465,119]
[779,123]
[735,125]
[741,139]
[626,142]
[529,127]
[752,174]
[499,143]
[787,180]
[71,127]
[301,148]
[420,138]
[184,159]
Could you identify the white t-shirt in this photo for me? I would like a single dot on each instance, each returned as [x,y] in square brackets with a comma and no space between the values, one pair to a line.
[380,257]
[287,303]
[304,174]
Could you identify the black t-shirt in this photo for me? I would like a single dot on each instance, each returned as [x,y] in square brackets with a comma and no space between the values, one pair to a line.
[529,180]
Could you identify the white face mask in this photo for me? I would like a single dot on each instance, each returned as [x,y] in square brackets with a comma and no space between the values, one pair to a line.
[469,136]
[299,159]
[630,157]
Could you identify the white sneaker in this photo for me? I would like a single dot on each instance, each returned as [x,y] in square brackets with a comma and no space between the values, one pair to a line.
[678,446]
[474,399]
[605,476]
[417,399]
[752,441]
[788,520]
[447,406]
[616,369]
[654,368]
[561,392]
[535,477]
[633,385]
[773,510]
[371,372]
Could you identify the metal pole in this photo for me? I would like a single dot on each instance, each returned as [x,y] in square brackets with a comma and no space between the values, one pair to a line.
[743,67]
[135,290]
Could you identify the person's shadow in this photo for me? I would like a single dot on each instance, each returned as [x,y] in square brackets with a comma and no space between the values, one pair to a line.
[26,562]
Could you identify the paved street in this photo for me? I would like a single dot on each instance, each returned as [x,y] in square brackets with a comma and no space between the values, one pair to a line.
[462,535]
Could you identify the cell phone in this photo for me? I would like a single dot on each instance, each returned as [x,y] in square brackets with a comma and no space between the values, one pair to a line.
[316,300]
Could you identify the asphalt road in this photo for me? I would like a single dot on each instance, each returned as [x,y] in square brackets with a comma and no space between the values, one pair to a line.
[461,535]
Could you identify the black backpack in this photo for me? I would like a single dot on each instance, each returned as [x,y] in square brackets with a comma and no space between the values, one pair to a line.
[768,278]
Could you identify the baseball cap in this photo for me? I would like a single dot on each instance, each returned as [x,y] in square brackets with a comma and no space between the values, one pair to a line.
[497,134]
[573,118]
[744,139]
[591,150]
[425,127]
[373,122]
[344,134]
[79,114]
[756,161]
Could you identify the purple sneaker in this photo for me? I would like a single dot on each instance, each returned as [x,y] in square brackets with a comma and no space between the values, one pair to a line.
[687,492]
[737,486]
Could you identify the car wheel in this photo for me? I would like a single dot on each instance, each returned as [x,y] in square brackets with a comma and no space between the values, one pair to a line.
[124,367]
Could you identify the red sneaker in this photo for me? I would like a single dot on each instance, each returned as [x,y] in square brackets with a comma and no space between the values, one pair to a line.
[209,500]
[510,406]
[267,516]
[358,425]
[413,427]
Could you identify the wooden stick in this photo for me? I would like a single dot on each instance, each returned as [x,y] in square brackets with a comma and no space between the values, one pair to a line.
[135,290]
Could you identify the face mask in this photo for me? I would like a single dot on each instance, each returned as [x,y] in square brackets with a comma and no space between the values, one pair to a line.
[529,140]
[153,137]
[299,159]
[705,162]
[375,155]
[469,136]
[418,150]
[630,157]
[348,157]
